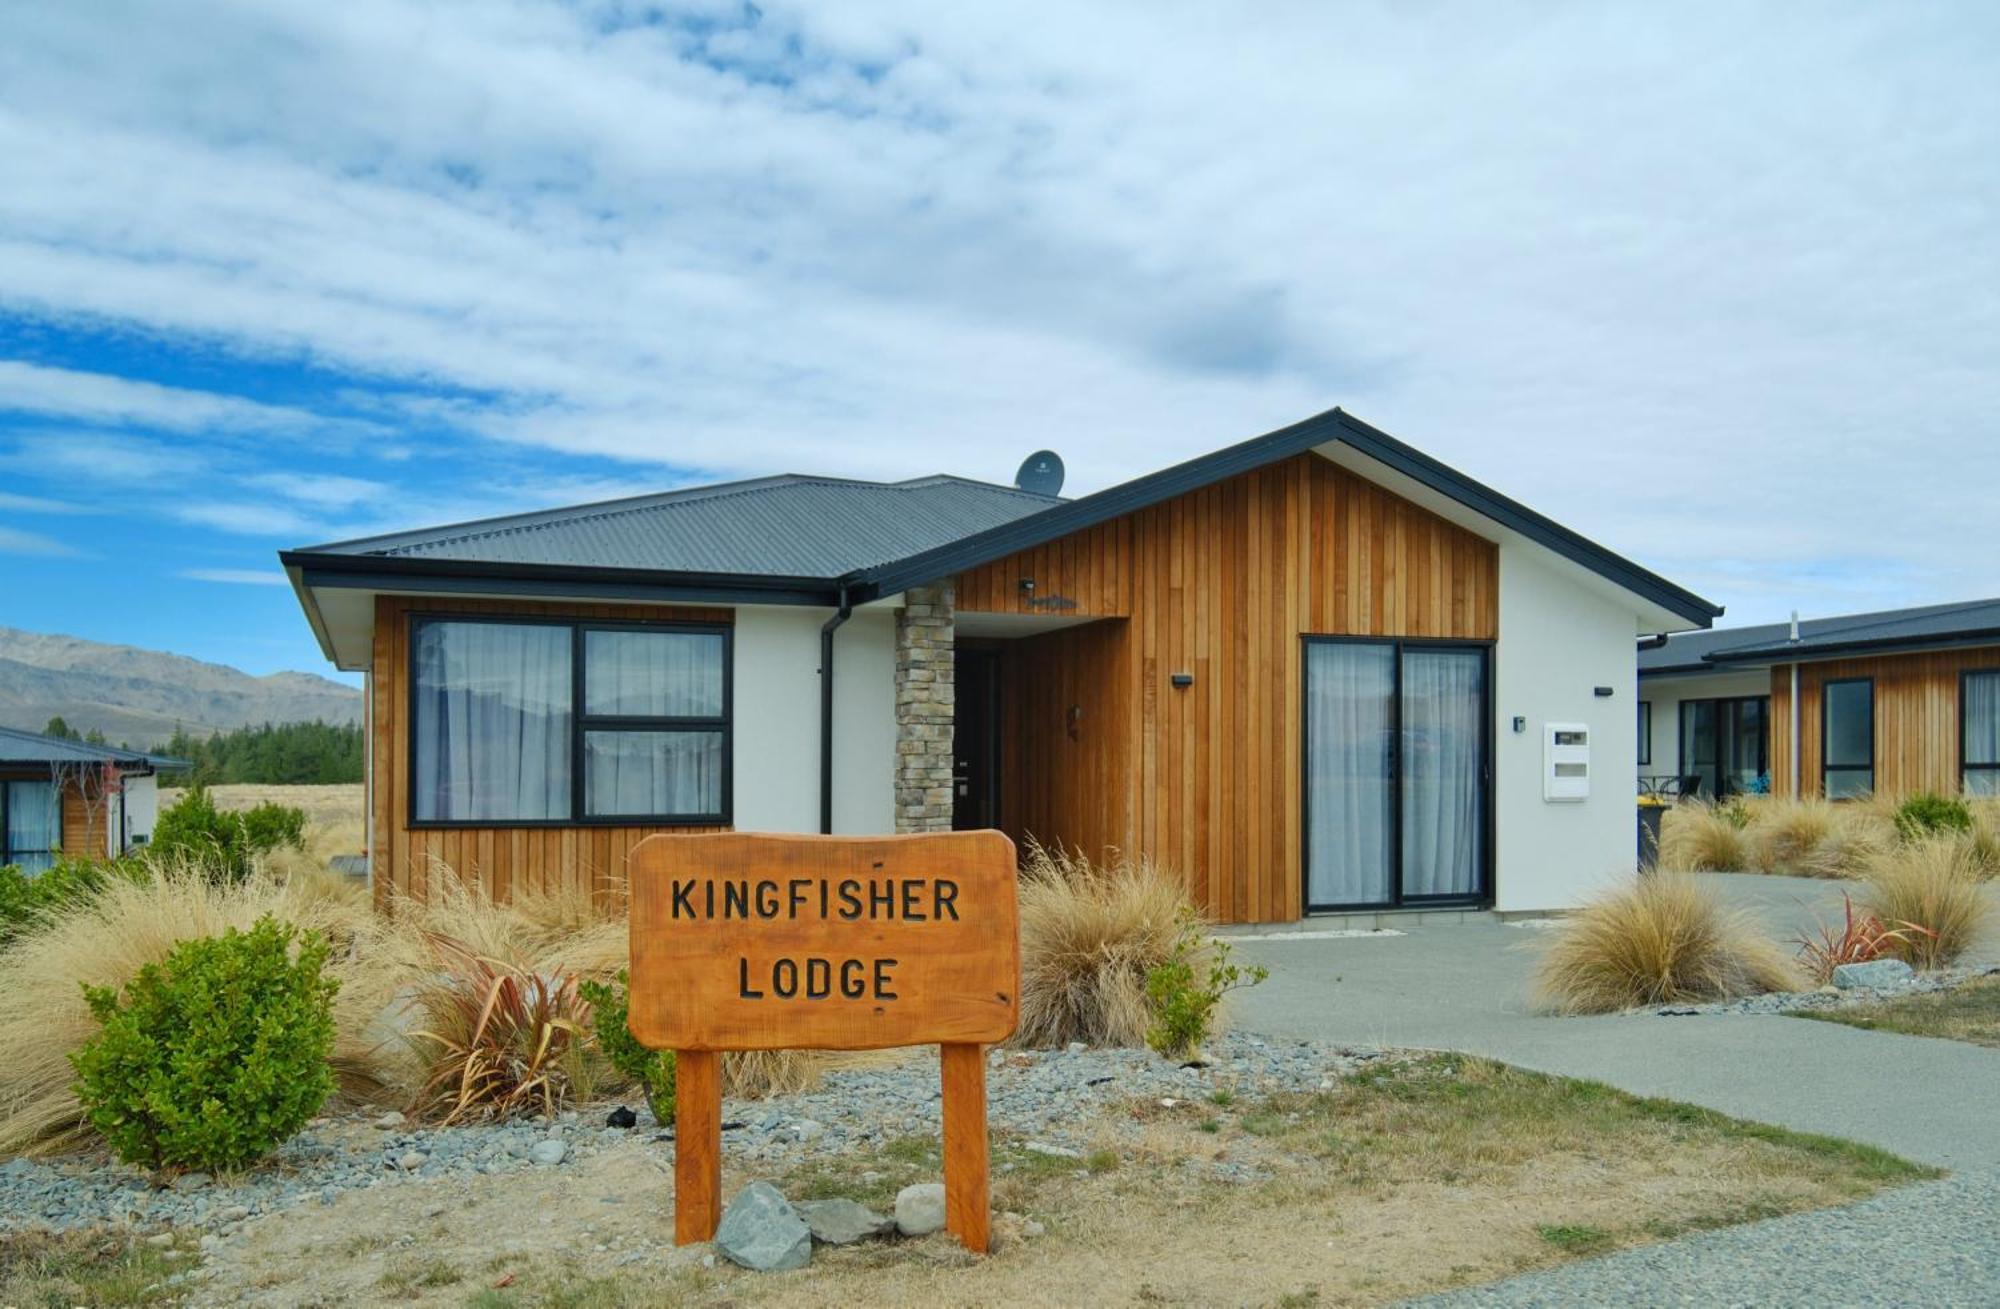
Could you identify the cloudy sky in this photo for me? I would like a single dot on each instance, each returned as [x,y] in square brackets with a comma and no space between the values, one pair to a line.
[1717,285]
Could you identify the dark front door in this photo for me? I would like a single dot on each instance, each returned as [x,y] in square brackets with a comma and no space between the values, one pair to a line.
[1726,743]
[975,729]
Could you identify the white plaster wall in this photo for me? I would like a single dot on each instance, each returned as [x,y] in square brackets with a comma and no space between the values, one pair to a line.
[1558,641]
[776,762]
[142,810]
[864,723]
[1665,694]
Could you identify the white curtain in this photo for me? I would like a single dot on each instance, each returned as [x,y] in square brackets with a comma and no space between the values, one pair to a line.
[493,722]
[653,674]
[1443,703]
[1349,688]
[1982,733]
[663,774]
[34,825]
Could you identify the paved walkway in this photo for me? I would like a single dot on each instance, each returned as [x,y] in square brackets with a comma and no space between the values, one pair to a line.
[1465,987]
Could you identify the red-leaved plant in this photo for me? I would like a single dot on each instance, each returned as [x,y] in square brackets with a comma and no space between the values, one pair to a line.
[501,1039]
[1861,939]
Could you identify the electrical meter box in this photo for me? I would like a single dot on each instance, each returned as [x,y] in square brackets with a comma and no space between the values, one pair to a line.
[1565,761]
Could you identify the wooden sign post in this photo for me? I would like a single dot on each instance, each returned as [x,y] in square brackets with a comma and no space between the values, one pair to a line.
[750,942]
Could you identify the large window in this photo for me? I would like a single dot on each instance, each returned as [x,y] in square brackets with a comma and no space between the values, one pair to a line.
[30,825]
[1847,736]
[1979,731]
[518,723]
[1725,746]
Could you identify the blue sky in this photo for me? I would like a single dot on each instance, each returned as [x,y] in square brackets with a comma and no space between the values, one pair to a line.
[1718,285]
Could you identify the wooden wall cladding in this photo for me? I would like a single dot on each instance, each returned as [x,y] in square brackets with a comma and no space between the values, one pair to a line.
[501,861]
[1100,750]
[1916,718]
[86,830]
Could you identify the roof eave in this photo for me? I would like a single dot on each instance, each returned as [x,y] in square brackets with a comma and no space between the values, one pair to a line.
[444,576]
[1807,650]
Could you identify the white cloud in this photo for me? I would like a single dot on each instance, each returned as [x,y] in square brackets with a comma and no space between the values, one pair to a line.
[1730,312]
[235,576]
[246,519]
[322,490]
[34,504]
[14,541]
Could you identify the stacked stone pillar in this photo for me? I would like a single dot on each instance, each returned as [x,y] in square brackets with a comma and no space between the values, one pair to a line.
[924,707]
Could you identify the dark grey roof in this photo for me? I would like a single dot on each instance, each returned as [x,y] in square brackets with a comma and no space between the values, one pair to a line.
[19,747]
[1966,622]
[789,526]
[815,540]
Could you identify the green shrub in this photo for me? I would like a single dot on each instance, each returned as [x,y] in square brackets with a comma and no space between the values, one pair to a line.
[225,845]
[1183,992]
[215,1056]
[652,1069]
[1928,814]
[25,899]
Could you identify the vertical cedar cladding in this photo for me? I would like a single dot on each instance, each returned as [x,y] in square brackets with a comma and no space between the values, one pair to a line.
[1100,750]
[1916,718]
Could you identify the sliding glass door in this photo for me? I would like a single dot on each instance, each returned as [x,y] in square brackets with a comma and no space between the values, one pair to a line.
[1396,773]
[1726,743]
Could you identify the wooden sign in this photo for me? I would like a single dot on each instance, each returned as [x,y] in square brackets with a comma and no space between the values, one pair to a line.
[743,941]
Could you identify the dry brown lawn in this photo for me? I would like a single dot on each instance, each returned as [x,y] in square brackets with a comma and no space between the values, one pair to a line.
[1964,1013]
[1415,1176]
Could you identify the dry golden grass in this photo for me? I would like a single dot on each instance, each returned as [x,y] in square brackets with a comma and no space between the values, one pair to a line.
[1934,883]
[1089,935]
[1815,838]
[1662,939]
[1700,836]
[104,942]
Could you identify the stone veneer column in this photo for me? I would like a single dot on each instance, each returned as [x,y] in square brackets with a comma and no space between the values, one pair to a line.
[924,707]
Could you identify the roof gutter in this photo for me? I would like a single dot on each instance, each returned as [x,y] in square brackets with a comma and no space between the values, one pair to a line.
[826,631]
[335,571]
[1811,650]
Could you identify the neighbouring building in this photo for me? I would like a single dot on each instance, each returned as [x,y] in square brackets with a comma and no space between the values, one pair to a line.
[62,797]
[1893,702]
[1316,670]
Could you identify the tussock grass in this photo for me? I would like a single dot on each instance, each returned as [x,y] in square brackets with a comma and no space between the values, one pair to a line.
[104,941]
[1701,836]
[1662,939]
[1933,882]
[1090,933]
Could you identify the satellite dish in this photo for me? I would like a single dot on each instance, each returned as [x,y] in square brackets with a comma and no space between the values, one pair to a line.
[1041,473]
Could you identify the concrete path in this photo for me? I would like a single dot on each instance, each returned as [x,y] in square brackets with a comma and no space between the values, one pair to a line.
[1465,986]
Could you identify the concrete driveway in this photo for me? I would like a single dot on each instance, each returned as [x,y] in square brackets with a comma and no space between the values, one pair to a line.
[1465,986]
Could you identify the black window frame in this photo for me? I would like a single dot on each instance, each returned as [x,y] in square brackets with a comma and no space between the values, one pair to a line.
[1825,714]
[7,851]
[1484,896]
[1965,675]
[1645,733]
[581,723]
[1721,707]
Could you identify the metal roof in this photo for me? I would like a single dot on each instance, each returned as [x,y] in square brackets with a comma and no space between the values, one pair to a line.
[789,526]
[19,747]
[1966,622]
[822,540]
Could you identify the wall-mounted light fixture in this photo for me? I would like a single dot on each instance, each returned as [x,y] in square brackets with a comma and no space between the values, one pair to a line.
[1602,692]
[1183,680]
[1520,723]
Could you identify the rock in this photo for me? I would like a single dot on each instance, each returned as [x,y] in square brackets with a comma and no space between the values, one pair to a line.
[762,1232]
[234,1213]
[390,1121]
[1077,1047]
[807,1130]
[433,1211]
[160,1240]
[191,1181]
[1032,1229]
[920,1209]
[622,1117]
[1053,1151]
[1875,973]
[843,1222]
[548,1152]
[412,1161]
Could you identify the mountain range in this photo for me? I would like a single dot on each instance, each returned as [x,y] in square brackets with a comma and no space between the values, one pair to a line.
[140,696]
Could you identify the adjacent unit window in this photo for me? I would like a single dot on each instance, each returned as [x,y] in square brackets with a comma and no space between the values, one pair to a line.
[1979,732]
[1645,731]
[30,825]
[521,723]
[1847,736]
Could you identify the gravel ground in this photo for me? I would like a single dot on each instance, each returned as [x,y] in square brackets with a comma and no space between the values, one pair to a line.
[1779,1002]
[1937,1244]
[1051,1097]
